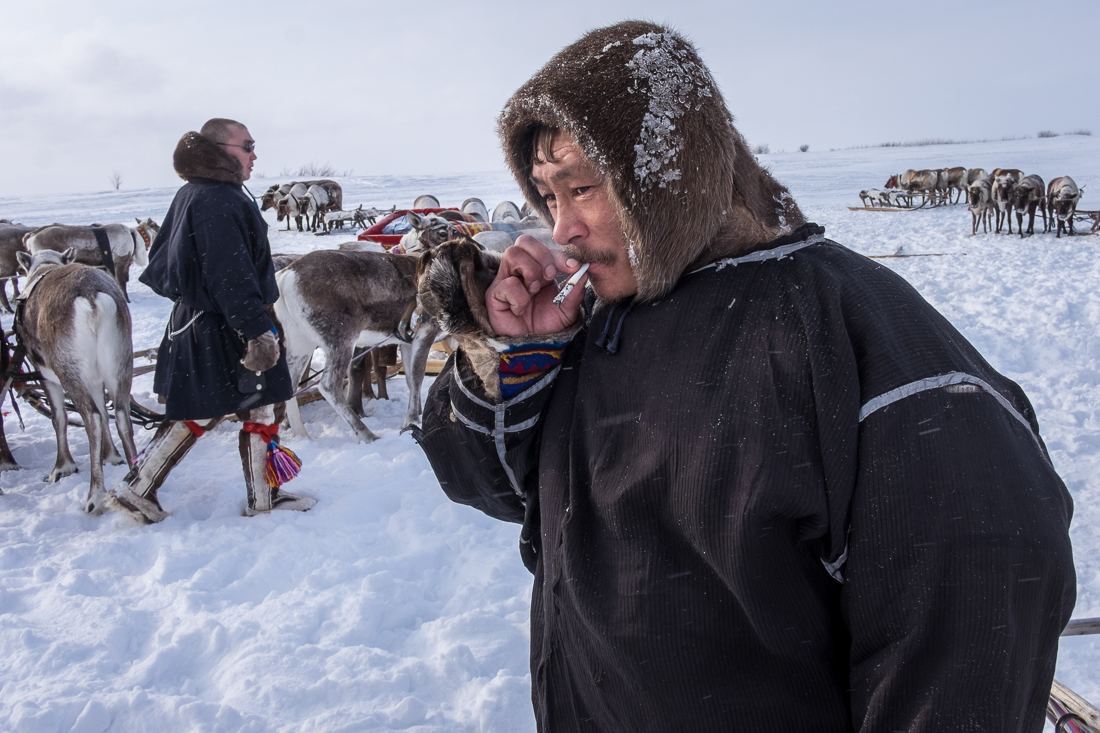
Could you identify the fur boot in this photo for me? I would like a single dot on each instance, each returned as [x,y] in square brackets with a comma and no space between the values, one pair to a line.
[263,498]
[136,496]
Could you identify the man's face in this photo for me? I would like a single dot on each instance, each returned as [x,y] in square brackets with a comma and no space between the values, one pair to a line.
[238,138]
[585,223]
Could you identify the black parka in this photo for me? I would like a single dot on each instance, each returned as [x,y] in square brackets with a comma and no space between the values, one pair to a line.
[212,256]
[795,499]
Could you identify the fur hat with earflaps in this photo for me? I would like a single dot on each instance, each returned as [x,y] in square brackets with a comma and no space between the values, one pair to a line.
[198,156]
[644,108]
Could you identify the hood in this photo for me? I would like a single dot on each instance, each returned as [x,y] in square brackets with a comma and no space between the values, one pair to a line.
[645,109]
[200,157]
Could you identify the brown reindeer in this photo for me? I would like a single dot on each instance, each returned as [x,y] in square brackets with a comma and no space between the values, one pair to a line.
[956,181]
[75,325]
[128,245]
[337,300]
[1030,194]
[11,242]
[1062,198]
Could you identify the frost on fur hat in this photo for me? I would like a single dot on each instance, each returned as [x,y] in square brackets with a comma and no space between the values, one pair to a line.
[645,109]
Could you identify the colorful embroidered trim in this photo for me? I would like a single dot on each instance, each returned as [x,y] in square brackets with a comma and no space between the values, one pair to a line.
[523,365]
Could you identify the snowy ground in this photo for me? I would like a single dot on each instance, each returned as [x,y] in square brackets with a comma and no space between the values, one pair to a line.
[389,608]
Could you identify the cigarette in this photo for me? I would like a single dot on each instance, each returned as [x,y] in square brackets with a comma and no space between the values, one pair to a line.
[567,288]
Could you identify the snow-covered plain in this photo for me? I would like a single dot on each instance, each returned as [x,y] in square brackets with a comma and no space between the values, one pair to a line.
[387,607]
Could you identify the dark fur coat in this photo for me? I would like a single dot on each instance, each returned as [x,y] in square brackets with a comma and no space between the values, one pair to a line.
[212,255]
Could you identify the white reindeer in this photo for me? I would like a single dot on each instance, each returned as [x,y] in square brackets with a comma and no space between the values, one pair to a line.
[75,324]
[980,196]
[318,202]
[127,244]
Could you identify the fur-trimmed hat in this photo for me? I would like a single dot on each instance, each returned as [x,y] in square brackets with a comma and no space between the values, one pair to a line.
[645,109]
[198,156]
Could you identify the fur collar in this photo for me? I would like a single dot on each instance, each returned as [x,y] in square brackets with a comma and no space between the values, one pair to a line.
[200,157]
[645,109]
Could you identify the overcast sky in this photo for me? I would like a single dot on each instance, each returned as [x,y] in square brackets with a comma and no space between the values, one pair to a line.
[415,87]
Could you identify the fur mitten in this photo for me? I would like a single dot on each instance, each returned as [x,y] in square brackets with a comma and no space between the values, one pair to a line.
[262,353]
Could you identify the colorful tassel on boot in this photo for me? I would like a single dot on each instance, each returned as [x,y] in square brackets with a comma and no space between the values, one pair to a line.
[282,464]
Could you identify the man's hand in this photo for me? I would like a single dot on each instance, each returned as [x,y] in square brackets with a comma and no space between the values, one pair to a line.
[521,299]
[262,353]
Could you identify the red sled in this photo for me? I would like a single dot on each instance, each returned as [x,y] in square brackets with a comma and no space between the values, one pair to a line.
[374,232]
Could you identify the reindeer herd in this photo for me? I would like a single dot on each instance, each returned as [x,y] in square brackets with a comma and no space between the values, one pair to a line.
[317,203]
[991,197]
[74,326]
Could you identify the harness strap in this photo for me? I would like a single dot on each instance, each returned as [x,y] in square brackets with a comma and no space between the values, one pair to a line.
[140,229]
[104,243]
[194,428]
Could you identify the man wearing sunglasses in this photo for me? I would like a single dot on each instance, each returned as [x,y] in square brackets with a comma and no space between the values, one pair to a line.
[220,354]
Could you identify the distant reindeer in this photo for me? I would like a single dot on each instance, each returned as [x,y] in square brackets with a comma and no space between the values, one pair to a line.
[1005,181]
[956,181]
[318,202]
[980,196]
[973,175]
[129,244]
[1062,198]
[1030,194]
[75,325]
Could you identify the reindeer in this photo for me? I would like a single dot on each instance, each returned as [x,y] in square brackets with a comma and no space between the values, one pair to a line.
[75,325]
[291,205]
[956,181]
[973,175]
[11,242]
[980,196]
[276,192]
[1029,194]
[1062,198]
[924,182]
[337,300]
[272,195]
[1005,181]
[318,201]
[431,230]
[128,245]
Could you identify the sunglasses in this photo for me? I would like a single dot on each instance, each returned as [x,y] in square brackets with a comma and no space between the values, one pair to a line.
[247,147]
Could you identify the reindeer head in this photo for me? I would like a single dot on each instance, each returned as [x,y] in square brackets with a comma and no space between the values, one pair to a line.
[428,231]
[892,181]
[30,264]
[451,281]
[1021,196]
[281,209]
